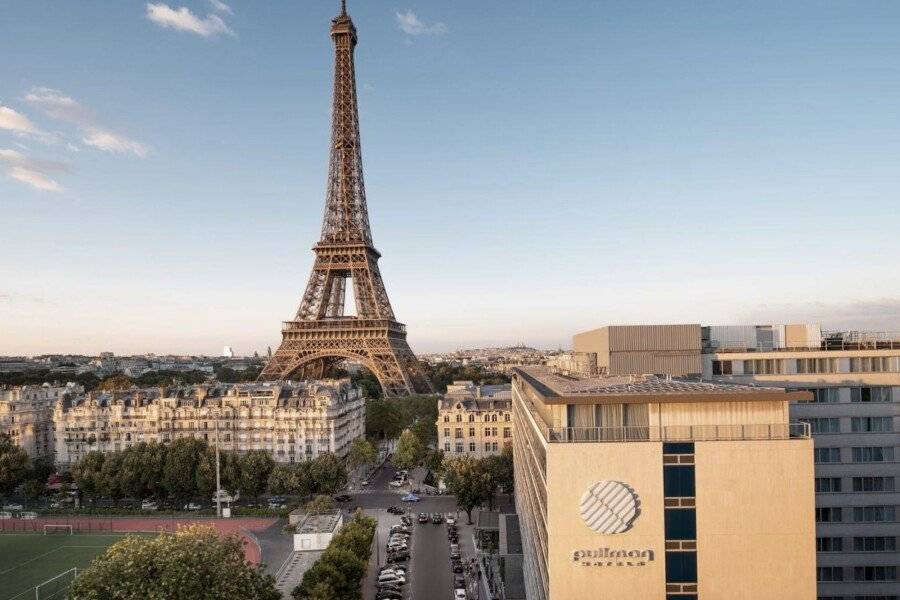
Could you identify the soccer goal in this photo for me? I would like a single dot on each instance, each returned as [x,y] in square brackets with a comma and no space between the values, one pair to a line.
[58,529]
[56,587]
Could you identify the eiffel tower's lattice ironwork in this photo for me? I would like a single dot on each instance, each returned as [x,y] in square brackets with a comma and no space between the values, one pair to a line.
[321,334]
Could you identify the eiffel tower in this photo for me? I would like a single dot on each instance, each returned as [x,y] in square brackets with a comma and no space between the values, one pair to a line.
[321,335]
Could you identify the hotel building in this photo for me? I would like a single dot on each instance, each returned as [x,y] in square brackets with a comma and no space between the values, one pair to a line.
[294,421]
[854,412]
[639,487]
[475,420]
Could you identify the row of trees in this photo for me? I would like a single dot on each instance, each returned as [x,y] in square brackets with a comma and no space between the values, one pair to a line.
[186,469]
[443,375]
[195,562]
[339,572]
[476,481]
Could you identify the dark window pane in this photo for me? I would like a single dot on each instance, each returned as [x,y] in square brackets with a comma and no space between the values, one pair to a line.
[678,481]
[681,524]
[681,567]
[678,448]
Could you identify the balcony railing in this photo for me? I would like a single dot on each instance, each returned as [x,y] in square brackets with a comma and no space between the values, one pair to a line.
[680,433]
[348,323]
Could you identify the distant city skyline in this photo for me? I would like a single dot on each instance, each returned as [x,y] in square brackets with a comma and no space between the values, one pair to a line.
[560,166]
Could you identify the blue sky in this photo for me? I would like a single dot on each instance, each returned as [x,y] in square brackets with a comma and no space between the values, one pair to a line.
[533,168]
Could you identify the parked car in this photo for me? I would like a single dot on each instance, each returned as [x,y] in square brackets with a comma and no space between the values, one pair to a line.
[395,510]
[342,498]
[454,551]
[406,520]
[396,483]
[423,518]
[192,506]
[13,506]
[149,505]
[410,498]
[459,581]
[451,521]
[364,482]
[437,518]
[389,595]
[456,566]
[459,594]
[400,556]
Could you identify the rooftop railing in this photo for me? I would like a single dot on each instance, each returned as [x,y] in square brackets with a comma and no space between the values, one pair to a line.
[680,433]
[343,323]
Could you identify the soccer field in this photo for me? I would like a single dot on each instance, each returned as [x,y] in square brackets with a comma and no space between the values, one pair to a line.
[31,558]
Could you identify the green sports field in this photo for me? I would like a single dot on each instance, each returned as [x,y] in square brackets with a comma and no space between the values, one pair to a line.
[28,559]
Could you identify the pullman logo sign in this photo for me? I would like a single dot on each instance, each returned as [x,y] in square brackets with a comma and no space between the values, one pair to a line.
[609,507]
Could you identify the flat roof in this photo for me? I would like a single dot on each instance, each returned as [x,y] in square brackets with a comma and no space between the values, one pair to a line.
[641,388]
[319,522]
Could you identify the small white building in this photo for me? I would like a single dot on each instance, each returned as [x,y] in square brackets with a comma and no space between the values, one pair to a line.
[315,531]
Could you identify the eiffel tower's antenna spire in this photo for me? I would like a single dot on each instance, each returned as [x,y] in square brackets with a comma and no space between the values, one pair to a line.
[343,7]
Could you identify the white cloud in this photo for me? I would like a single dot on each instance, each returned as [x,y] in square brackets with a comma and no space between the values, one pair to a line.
[32,172]
[183,19]
[15,121]
[221,7]
[412,25]
[59,106]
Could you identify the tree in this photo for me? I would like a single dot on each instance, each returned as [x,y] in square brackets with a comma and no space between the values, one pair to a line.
[193,563]
[13,465]
[365,379]
[500,469]
[362,454]
[284,479]
[435,461]
[338,573]
[34,489]
[328,474]
[256,466]
[383,419]
[467,479]
[111,477]
[116,383]
[409,451]
[180,469]
[87,474]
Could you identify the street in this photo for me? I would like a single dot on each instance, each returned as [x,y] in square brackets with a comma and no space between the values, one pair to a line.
[429,575]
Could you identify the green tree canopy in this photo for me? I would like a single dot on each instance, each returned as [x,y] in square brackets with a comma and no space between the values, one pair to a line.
[179,475]
[193,564]
[409,451]
[328,474]
[469,481]
[256,466]
[14,465]
[87,473]
[362,454]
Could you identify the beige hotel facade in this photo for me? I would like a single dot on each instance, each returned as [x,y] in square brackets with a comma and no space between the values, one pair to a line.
[636,487]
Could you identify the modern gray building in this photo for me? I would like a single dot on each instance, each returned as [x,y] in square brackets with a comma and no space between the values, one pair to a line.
[855,421]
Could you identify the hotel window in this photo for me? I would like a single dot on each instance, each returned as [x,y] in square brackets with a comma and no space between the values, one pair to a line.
[873,484]
[721,367]
[824,425]
[823,395]
[507,432]
[873,514]
[829,544]
[506,418]
[827,455]
[471,418]
[829,573]
[459,447]
[875,544]
[681,567]
[828,484]
[446,432]
[459,418]
[446,446]
[678,481]
[487,446]
[870,394]
[829,514]
[493,418]
[873,454]
[494,446]
[871,424]
[681,524]
[471,446]
[875,573]
[487,418]
[446,418]
[471,432]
